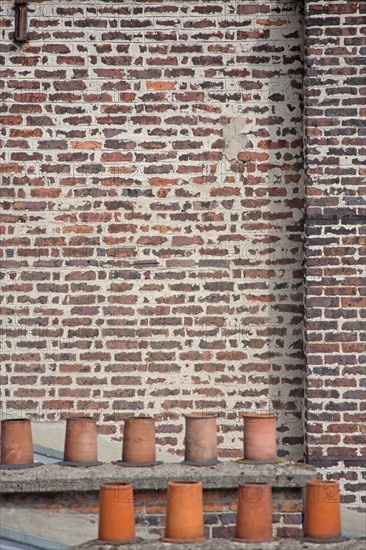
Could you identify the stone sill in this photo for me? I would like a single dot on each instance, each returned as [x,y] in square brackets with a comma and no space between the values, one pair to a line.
[53,478]
[224,544]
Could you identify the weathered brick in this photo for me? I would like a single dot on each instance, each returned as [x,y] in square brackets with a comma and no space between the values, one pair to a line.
[332,166]
[141,170]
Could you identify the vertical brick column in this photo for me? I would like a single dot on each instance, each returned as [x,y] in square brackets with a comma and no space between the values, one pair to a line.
[335,139]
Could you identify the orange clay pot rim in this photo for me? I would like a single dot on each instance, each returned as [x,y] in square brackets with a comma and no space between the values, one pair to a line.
[137,418]
[259,415]
[200,415]
[16,420]
[321,482]
[184,482]
[114,486]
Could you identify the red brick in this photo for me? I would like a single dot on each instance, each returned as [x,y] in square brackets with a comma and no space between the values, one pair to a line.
[10,120]
[160,85]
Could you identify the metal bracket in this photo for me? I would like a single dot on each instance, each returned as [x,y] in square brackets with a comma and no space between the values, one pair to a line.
[20,29]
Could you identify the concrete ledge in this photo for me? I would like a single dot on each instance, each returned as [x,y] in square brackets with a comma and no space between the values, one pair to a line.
[64,528]
[56,479]
[224,544]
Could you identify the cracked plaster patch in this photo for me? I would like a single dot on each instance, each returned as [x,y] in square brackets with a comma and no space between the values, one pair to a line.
[235,141]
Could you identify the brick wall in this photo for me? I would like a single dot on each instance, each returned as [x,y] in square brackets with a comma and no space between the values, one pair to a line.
[335,232]
[152,214]
[150,510]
